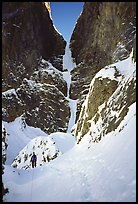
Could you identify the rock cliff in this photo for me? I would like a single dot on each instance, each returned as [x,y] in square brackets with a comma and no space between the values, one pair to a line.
[104,34]
[27,36]
[111,93]
[31,86]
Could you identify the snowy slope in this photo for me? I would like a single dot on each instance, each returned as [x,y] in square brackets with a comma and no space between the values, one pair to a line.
[23,140]
[84,172]
[19,135]
[42,146]
[104,172]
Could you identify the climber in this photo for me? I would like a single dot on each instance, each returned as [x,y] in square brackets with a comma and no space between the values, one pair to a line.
[33,160]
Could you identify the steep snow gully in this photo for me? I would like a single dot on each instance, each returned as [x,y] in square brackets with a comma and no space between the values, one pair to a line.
[68,65]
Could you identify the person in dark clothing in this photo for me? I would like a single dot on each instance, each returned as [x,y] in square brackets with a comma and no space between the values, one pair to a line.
[33,160]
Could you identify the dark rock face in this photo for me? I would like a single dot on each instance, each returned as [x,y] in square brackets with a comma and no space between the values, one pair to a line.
[31,87]
[41,105]
[100,28]
[27,35]
[12,106]
[45,106]
[46,75]
[105,33]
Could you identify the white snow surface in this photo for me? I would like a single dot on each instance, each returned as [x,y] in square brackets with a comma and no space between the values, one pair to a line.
[18,137]
[68,60]
[104,172]
[68,65]
[42,146]
[84,172]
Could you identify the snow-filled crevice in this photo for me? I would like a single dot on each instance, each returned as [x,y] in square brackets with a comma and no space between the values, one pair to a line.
[68,65]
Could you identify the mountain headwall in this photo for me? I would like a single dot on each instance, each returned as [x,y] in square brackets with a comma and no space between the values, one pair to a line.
[105,33]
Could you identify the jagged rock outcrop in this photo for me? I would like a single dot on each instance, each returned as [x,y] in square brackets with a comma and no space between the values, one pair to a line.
[27,36]
[40,99]
[105,33]
[32,87]
[49,75]
[112,92]
[45,106]
[12,106]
